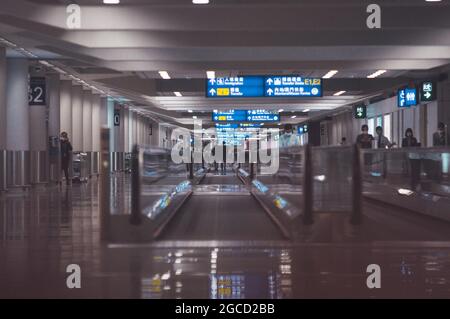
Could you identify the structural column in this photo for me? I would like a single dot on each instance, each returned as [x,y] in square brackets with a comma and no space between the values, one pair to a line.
[77,118]
[87,121]
[17,122]
[2,99]
[66,107]
[96,122]
[17,110]
[2,118]
[54,127]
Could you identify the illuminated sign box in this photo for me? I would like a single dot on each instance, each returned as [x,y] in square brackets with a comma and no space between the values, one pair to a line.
[407,97]
[235,87]
[264,86]
[427,91]
[292,86]
[252,116]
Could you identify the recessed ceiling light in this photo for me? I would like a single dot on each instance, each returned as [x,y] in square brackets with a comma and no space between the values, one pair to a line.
[306,110]
[190,111]
[339,93]
[280,110]
[200,1]
[177,94]
[164,75]
[330,74]
[293,116]
[211,74]
[111,1]
[194,117]
[376,74]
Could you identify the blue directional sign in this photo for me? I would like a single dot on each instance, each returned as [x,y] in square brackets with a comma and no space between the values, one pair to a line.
[262,116]
[292,86]
[235,87]
[302,129]
[229,116]
[407,97]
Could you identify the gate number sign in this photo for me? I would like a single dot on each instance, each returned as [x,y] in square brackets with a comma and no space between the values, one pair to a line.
[37,91]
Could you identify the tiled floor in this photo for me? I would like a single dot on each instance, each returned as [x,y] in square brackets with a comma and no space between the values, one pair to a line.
[45,230]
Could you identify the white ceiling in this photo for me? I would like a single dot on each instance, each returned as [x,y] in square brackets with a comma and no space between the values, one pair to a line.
[121,48]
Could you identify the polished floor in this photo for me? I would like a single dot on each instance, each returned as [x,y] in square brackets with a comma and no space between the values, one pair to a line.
[46,229]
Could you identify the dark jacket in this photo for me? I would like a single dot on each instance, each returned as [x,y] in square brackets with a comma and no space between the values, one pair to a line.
[364,140]
[66,148]
[410,142]
[439,139]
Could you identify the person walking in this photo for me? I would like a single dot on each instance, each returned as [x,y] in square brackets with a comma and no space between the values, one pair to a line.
[66,155]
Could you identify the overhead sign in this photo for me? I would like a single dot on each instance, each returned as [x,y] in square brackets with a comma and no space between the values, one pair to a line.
[235,87]
[360,112]
[37,91]
[428,91]
[263,86]
[262,116]
[117,118]
[246,116]
[303,129]
[407,97]
[229,116]
[292,86]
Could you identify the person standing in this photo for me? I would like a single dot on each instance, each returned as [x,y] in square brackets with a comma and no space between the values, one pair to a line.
[66,155]
[289,139]
[381,140]
[364,140]
[441,137]
[415,160]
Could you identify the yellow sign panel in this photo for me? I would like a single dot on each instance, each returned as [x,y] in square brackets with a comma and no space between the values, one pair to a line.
[223,92]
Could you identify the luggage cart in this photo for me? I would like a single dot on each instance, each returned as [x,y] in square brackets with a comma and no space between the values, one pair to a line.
[127,163]
[80,169]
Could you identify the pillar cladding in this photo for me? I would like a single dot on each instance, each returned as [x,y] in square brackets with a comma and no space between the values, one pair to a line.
[2,98]
[77,118]
[87,121]
[119,129]
[96,122]
[126,130]
[54,105]
[17,109]
[66,107]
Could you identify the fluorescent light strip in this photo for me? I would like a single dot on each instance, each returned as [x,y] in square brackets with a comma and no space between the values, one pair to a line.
[164,75]
[200,1]
[376,74]
[211,74]
[177,94]
[306,110]
[111,1]
[339,93]
[293,116]
[280,110]
[330,74]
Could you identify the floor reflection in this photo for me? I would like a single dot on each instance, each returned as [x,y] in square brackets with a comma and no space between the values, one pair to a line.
[45,230]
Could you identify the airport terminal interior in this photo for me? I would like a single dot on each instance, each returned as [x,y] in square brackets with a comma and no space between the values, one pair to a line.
[224,149]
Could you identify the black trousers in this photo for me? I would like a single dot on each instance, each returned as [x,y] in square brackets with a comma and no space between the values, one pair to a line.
[65,169]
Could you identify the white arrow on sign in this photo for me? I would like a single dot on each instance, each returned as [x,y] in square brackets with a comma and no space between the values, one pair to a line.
[427,95]
[212,91]
[270,91]
[212,81]
[269,81]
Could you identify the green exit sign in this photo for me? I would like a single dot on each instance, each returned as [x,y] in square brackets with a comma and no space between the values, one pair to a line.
[427,91]
[360,111]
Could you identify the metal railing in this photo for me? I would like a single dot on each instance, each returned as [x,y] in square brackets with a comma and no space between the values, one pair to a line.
[309,181]
[417,179]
